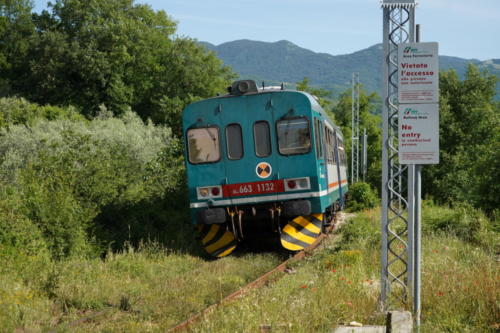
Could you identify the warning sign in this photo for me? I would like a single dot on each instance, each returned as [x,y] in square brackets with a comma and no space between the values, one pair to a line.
[418,134]
[418,73]
[263,170]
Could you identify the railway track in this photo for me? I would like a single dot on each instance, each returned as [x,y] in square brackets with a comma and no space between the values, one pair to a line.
[263,279]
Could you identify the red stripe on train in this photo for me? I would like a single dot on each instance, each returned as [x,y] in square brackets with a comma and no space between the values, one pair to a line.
[264,187]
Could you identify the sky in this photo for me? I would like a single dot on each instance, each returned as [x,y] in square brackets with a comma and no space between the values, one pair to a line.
[463,28]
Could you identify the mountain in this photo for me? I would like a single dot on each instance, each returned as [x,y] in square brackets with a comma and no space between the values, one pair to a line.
[284,61]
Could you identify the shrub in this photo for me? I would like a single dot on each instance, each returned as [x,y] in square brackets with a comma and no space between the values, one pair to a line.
[81,185]
[18,111]
[463,221]
[363,228]
[361,196]
[17,231]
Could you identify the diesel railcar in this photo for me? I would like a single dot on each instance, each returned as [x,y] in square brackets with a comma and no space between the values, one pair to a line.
[262,159]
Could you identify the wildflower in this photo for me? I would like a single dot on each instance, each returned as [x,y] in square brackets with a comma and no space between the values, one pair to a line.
[342,277]
[435,251]
[303,286]
[439,293]
[349,282]
[314,289]
[446,248]
[348,304]
[334,270]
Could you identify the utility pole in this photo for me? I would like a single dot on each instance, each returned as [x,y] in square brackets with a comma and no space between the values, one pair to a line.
[398,27]
[355,128]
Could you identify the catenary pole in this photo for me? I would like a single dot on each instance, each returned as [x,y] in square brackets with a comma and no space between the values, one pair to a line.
[355,161]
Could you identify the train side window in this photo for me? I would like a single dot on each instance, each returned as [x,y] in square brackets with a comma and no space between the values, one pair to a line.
[234,142]
[334,158]
[342,153]
[317,136]
[293,136]
[329,142]
[262,138]
[203,145]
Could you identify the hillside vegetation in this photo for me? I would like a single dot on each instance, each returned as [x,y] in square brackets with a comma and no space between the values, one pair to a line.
[284,61]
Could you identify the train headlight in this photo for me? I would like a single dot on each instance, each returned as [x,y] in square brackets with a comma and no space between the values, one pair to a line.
[203,192]
[297,184]
[209,192]
[303,183]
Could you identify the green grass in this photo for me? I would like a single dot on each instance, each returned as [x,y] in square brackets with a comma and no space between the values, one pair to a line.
[340,284]
[151,289]
[145,290]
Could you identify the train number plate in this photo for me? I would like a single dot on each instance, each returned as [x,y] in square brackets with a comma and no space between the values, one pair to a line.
[236,190]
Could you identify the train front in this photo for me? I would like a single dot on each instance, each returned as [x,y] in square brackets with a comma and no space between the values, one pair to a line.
[252,169]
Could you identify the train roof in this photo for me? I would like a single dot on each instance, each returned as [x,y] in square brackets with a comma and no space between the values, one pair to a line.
[236,91]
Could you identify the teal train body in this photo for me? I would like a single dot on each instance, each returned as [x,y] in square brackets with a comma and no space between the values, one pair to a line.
[267,154]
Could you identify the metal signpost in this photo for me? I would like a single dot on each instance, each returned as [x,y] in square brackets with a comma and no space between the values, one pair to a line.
[410,129]
[418,139]
[355,128]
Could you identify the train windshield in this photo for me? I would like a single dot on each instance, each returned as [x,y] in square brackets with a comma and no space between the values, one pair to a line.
[294,136]
[203,145]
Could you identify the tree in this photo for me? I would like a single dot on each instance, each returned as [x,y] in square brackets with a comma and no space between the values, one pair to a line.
[469,142]
[324,96]
[369,119]
[120,54]
[16,29]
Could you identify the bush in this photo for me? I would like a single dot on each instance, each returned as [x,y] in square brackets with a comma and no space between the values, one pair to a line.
[363,228]
[462,221]
[18,111]
[77,186]
[361,196]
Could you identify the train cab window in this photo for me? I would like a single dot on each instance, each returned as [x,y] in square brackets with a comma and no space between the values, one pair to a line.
[234,141]
[203,145]
[294,136]
[262,139]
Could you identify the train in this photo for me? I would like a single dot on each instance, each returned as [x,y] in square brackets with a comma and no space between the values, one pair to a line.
[262,160]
